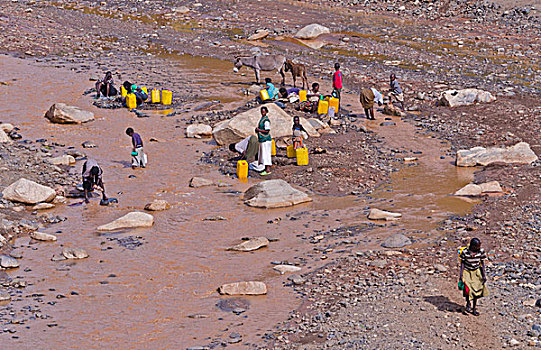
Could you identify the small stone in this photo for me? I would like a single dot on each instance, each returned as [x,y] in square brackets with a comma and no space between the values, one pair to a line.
[8,262]
[243,288]
[74,253]
[197,182]
[286,268]
[296,279]
[42,236]
[377,214]
[396,241]
[157,205]
[4,295]
[251,244]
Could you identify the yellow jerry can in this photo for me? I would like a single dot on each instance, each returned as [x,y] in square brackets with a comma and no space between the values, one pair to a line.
[334,102]
[291,151]
[131,101]
[167,97]
[264,95]
[123,91]
[145,90]
[322,107]
[303,95]
[242,169]
[302,156]
[155,96]
[273,148]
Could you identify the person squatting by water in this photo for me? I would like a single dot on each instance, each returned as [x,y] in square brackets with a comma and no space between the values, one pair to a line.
[138,154]
[248,149]
[472,278]
[396,92]
[92,177]
[265,141]
[106,86]
[140,95]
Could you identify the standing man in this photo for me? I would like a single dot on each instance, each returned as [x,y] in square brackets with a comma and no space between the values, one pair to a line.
[138,155]
[337,83]
[92,178]
[265,141]
[396,91]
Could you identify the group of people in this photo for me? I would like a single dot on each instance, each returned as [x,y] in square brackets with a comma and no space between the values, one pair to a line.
[93,173]
[106,87]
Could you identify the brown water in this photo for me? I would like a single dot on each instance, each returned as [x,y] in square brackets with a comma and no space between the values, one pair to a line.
[183,260]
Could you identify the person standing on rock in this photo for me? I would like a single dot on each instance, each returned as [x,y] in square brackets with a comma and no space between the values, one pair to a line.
[472,274]
[396,92]
[337,83]
[265,141]
[92,174]
[138,154]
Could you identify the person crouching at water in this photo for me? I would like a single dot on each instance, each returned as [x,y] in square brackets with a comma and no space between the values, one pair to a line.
[140,95]
[138,155]
[92,177]
[367,99]
[248,149]
[265,141]
[106,86]
[473,275]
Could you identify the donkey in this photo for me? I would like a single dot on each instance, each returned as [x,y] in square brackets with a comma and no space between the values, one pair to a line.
[297,70]
[262,63]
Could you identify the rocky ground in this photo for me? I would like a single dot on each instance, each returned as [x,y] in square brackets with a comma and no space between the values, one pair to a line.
[364,299]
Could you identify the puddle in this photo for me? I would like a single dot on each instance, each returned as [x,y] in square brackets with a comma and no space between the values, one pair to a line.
[174,273]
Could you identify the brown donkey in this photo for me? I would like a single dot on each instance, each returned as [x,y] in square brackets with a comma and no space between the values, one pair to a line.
[297,70]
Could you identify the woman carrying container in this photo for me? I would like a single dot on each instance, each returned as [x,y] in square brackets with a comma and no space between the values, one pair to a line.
[472,275]
[265,141]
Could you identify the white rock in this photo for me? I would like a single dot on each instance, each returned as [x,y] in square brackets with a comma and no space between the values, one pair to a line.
[42,236]
[520,153]
[200,182]
[26,191]
[396,241]
[243,288]
[377,214]
[4,138]
[182,10]
[74,253]
[63,114]
[63,160]
[312,31]
[157,205]
[43,206]
[260,34]
[274,194]
[477,190]
[4,295]
[198,131]
[251,244]
[130,220]
[243,125]
[286,268]
[465,97]
[7,127]
[8,262]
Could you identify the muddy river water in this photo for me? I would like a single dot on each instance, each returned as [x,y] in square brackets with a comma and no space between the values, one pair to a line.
[142,298]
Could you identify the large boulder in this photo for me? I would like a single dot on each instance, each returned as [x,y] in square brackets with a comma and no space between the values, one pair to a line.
[198,131]
[61,113]
[520,153]
[396,241]
[465,97]
[243,288]
[312,31]
[478,190]
[243,125]
[8,262]
[377,214]
[4,138]
[274,194]
[7,127]
[29,192]
[130,220]
[251,244]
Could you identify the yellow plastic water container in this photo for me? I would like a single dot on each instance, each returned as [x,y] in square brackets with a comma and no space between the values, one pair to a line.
[155,96]
[131,101]
[145,90]
[291,151]
[334,102]
[273,148]
[167,97]
[323,107]
[302,156]
[264,95]
[242,169]
[123,91]
[303,95]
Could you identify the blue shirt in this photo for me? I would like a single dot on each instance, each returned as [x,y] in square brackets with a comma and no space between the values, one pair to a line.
[271,90]
[136,140]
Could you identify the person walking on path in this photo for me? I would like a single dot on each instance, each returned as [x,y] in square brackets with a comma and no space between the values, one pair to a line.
[265,141]
[396,92]
[92,177]
[472,275]
[138,154]
[337,85]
